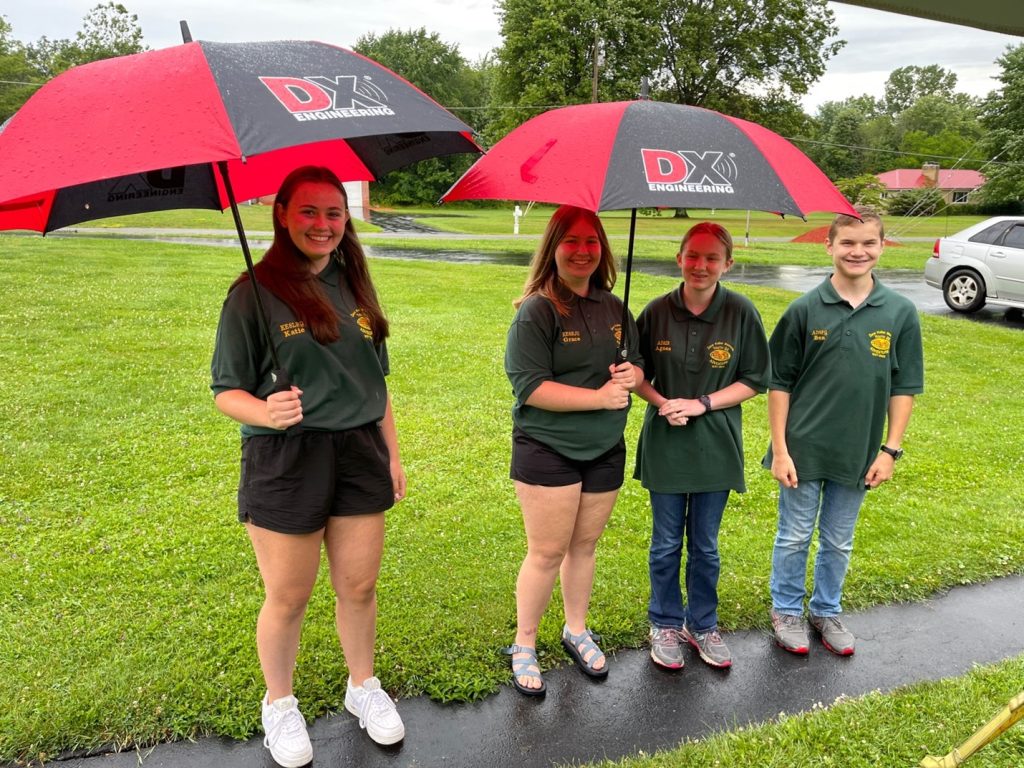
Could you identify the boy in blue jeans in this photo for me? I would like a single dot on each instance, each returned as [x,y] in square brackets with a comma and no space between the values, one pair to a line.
[846,359]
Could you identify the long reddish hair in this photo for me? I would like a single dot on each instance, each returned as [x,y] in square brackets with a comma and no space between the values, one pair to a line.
[285,271]
[543,277]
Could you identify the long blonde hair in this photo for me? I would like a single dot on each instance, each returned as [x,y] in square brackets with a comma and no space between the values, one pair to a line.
[543,277]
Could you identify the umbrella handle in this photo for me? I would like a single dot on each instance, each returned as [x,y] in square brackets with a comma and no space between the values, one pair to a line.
[283,383]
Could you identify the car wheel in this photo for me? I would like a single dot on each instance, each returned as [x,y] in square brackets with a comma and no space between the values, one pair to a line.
[964,291]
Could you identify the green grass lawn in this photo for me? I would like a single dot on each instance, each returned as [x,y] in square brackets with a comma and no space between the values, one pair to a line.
[131,593]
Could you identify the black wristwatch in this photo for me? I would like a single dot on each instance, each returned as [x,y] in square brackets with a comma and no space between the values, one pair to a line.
[894,452]
[705,401]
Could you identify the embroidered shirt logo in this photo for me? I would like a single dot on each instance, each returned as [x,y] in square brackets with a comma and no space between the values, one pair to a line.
[819,334]
[363,322]
[571,337]
[617,332]
[720,353]
[663,345]
[880,343]
[292,329]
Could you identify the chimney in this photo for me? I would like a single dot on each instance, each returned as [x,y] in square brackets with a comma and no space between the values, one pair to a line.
[930,171]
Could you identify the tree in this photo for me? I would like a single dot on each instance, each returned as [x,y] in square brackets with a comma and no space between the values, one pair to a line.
[108,30]
[552,51]
[17,75]
[712,51]
[724,55]
[865,189]
[440,71]
[905,85]
[1003,117]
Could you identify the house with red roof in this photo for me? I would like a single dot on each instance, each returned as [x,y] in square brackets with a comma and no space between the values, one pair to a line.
[955,186]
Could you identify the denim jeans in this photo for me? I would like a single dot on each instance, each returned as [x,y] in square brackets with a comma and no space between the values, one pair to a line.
[699,515]
[835,508]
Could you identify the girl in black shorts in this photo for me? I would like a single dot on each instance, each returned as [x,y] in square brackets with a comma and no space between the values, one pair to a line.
[568,453]
[326,482]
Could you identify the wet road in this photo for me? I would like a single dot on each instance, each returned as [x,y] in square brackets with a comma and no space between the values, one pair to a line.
[642,708]
[908,282]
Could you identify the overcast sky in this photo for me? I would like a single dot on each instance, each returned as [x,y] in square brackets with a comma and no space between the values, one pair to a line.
[877,42]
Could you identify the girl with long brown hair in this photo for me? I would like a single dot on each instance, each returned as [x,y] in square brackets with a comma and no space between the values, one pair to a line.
[326,484]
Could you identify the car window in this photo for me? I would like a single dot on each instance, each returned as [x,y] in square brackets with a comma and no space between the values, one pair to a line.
[992,234]
[1015,237]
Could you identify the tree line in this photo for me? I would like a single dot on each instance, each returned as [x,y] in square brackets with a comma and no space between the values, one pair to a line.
[750,58]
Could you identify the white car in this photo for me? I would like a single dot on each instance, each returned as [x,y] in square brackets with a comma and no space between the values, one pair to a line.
[983,264]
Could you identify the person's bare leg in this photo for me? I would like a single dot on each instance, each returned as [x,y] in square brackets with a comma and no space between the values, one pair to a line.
[549,516]
[354,545]
[288,565]
[577,570]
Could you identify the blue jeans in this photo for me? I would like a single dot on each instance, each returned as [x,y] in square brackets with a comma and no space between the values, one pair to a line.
[835,508]
[700,516]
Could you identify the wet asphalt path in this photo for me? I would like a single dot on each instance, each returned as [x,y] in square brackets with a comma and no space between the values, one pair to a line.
[640,707]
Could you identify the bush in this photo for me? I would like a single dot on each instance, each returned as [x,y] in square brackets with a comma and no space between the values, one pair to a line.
[915,202]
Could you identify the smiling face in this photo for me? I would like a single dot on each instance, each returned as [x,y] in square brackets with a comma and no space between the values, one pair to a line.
[315,218]
[855,249]
[703,260]
[578,254]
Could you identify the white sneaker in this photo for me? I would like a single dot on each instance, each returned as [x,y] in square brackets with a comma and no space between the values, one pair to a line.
[375,710]
[285,730]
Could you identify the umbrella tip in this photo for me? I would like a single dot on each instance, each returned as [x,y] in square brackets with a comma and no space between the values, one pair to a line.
[186,35]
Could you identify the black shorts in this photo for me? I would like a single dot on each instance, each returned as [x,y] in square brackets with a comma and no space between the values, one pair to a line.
[535,463]
[294,483]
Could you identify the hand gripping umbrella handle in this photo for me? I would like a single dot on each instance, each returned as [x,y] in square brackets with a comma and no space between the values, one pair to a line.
[283,383]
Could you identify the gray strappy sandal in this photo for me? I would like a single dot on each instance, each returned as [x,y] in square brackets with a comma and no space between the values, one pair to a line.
[579,646]
[521,668]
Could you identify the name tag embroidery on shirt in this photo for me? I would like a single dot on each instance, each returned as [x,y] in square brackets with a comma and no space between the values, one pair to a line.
[293,328]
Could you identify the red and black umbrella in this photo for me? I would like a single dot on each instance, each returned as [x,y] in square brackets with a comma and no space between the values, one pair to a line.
[639,154]
[146,132]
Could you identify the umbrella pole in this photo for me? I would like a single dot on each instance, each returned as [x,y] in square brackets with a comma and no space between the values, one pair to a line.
[280,376]
[623,352]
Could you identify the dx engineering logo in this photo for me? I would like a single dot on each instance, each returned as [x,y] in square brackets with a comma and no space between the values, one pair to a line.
[689,171]
[328,98]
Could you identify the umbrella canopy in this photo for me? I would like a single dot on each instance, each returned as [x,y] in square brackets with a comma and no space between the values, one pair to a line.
[636,154]
[639,154]
[139,133]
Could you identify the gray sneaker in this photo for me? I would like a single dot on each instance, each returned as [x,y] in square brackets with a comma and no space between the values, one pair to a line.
[709,645]
[665,648]
[791,633]
[834,634]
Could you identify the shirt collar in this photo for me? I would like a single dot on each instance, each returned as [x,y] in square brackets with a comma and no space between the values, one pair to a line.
[827,292]
[709,315]
[331,272]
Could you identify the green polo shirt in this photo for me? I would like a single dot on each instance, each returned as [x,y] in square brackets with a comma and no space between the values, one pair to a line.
[687,355]
[342,383]
[575,350]
[841,365]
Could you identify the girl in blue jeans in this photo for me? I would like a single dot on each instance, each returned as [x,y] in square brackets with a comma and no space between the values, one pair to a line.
[705,352]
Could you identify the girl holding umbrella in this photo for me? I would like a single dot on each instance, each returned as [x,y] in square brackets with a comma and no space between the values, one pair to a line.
[705,351]
[568,454]
[327,485]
